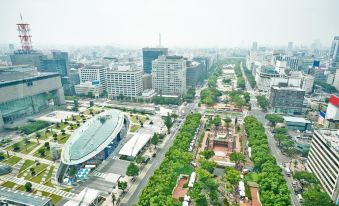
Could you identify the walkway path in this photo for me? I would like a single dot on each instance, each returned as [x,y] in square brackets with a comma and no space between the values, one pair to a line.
[40,187]
[31,157]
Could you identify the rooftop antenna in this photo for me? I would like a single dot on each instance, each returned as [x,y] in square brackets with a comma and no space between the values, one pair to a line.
[159,40]
[24,35]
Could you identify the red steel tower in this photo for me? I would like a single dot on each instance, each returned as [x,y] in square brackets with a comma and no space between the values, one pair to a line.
[24,35]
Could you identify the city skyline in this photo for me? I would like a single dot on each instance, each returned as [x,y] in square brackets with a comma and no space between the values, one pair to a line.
[182,24]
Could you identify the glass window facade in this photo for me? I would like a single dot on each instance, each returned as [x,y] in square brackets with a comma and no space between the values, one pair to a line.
[15,109]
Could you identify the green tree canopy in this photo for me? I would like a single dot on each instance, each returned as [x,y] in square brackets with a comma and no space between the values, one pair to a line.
[132,170]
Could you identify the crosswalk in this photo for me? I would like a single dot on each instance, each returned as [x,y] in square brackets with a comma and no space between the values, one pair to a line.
[52,190]
[98,174]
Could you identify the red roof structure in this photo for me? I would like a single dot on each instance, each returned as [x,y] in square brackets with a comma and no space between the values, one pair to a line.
[334,100]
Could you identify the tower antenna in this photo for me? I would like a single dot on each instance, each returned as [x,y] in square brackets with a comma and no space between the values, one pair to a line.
[159,40]
[24,35]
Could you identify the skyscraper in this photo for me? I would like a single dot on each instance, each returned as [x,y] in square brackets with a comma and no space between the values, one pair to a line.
[334,54]
[254,46]
[290,46]
[150,54]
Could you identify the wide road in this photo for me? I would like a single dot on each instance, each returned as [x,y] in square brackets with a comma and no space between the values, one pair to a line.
[260,115]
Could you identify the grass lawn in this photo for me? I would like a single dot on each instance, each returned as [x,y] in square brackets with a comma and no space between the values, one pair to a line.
[50,172]
[49,184]
[37,179]
[46,194]
[47,156]
[137,118]
[12,160]
[26,164]
[62,139]
[55,198]
[24,148]
[253,177]
[8,184]
[134,127]
[62,126]
[21,188]
[67,189]
[37,169]
[44,135]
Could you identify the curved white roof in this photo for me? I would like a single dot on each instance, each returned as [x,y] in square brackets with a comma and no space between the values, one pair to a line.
[92,137]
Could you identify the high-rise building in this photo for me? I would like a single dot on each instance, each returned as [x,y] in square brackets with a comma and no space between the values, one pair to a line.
[169,75]
[150,54]
[334,54]
[254,46]
[287,100]
[147,81]
[54,65]
[290,46]
[194,73]
[60,55]
[25,91]
[31,57]
[336,79]
[323,160]
[307,83]
[91,73]
[124,80]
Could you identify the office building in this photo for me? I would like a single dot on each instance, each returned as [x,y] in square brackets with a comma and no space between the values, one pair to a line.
[323,160]
[124,80]
[169,75]
[330,79]
[331,119]
[193,74]
[147,81]
[91,73]
[334,54]
[30,57]
[60,55]
[297,123]
[264,76]
[25,91]
[54,65]
[204,61]
[286,100]
[150,54]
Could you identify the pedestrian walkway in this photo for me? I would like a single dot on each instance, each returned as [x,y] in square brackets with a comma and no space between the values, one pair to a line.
[40,187]
[98,174]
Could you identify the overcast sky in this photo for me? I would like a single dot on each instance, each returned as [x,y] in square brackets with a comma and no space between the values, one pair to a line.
[183,23]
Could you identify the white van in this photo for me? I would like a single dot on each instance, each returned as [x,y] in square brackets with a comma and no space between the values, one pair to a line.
[300,198]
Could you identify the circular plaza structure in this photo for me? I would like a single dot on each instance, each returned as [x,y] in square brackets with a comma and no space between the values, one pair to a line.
[95,140]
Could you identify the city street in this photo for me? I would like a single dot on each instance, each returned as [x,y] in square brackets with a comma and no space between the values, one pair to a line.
[260,115]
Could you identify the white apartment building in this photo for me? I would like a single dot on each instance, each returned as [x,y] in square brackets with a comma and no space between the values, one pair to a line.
[307,83]
[169,75]
[323,160]
[124,80]
[93,72]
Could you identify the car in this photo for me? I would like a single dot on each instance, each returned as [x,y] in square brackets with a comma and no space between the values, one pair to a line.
[154,154]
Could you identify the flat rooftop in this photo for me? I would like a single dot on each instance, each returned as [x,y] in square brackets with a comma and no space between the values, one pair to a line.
[296,119]
[288,88]
[12,74]
[92,137]
[331,136]
[23,197]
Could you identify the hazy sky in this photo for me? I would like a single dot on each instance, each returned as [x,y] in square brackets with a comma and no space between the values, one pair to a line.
[183,23]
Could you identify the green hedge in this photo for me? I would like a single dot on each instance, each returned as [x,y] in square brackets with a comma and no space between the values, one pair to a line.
[272,185]
[33,127]
[177,161]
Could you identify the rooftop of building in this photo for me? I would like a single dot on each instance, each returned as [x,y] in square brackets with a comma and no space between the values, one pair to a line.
[296,119]
[92,137]
[94,66]
[331,137]
[136,143]
[154,48]
[17,73]
[23,197]
[124,68]
[5,169]
[288,88]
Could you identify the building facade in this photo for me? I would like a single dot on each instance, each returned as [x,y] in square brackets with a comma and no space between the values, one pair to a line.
[31,57]
[93,72]
[286,100]
[151,54]
[169,75]
[124,80]
[24,91]
[194,73]
[307,83]
[323,160]
[334,54]
[93,89]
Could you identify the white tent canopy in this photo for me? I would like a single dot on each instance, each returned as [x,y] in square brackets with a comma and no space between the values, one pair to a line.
[135,144]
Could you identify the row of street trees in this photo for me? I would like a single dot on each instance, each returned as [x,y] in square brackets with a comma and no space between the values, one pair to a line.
[177,161]
[272,185]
